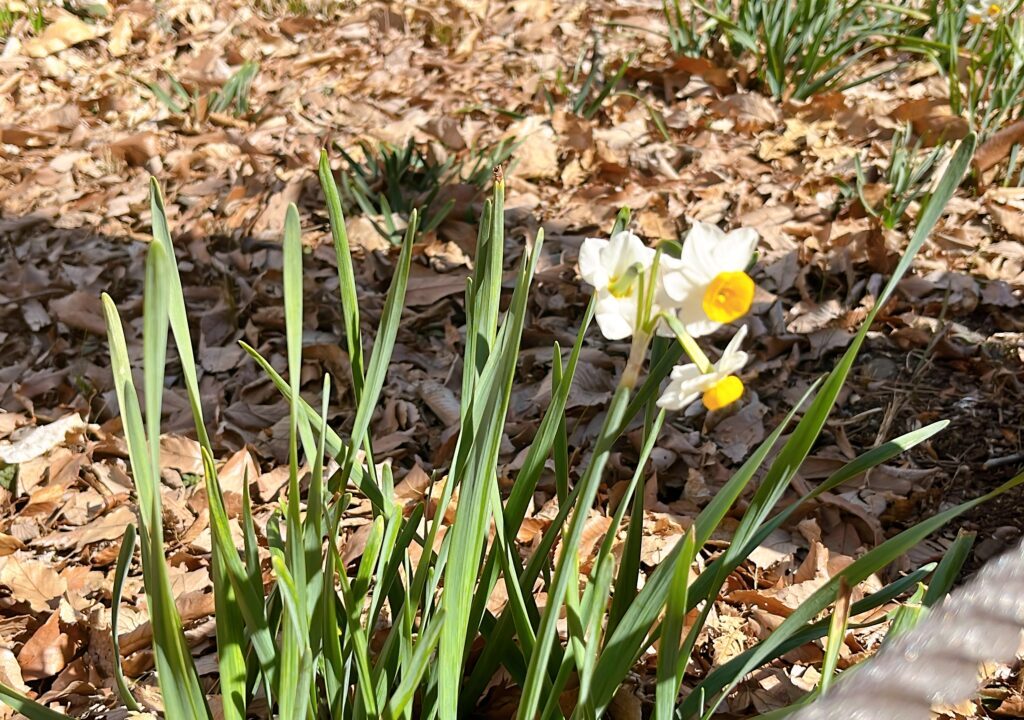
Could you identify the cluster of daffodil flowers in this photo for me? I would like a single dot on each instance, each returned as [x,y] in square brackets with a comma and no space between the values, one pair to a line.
[640,291]
[987,12]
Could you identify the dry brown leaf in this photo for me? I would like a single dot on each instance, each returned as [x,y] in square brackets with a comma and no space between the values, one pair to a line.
[9,544]
[537,155]
[10,674]
[426,286]
[413,486]
[120,38]
[81,311]
[47,652]
[137,149]
[31,581]
[933,119]
[40,440]
[997,147]
[109,526]
[751,112]
[66,31]
[181,454]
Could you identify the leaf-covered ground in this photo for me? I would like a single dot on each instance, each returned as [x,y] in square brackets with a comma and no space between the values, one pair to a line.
[81,130]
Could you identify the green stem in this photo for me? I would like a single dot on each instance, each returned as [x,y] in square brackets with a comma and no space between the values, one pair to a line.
[689,345]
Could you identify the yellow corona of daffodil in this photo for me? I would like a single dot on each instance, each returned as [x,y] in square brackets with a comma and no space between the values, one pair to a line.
[719,387]
[709,283]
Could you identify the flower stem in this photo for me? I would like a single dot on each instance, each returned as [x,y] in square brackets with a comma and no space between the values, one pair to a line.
[689,345]
[637,354]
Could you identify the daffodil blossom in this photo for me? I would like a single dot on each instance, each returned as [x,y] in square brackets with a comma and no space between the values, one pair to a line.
[614,267]
[719,387]
[708,285]
[987,12]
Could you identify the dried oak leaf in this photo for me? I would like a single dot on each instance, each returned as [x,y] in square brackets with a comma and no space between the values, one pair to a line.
[31,581]
[181,454]
[110,526]
[66,31]
[80,311]
[46,652]
[40,440]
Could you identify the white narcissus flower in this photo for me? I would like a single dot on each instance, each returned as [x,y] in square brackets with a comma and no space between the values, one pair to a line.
[720,387]
[986,12]
[708,284]
[614,267]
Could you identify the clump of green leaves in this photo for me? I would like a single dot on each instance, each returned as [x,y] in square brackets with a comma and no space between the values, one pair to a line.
[805,47]
[986,86]
[799,48]
[406,631]
[9,16]
[692,31]
[233,97]
[391,182]
[591,81]
[587,90]
[902,182]
[277,8]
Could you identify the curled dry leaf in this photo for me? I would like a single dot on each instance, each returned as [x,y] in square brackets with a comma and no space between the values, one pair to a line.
[40,440]
[31,581]
[120,35]
[66,31]
[47,652]
[109,526]
[181,454]
[80,311]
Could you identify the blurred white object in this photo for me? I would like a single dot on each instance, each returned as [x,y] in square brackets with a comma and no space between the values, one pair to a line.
[937,662]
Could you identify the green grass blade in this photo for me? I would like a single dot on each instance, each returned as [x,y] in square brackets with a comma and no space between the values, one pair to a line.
[670,664]
[124,559]
[333,442]
[416,668]
[628,640]
[231,642]
[949,568]
[296,659]
[383,347]
[160,94]
[718,683]
[346,275]
[176,312]
[836,636]
[357,643]
[819,629]
[248,586]
[29,708]
[175,668]
[538,663]
[641,615]
[487,418]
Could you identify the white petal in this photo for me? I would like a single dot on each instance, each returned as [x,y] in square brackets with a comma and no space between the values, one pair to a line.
[737,341]
[687,384]
[685,373]
[615,316]
[591,269]
[733,252]
[731,364]
[693,317]
[624,250]
[673,284]
[698,256]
